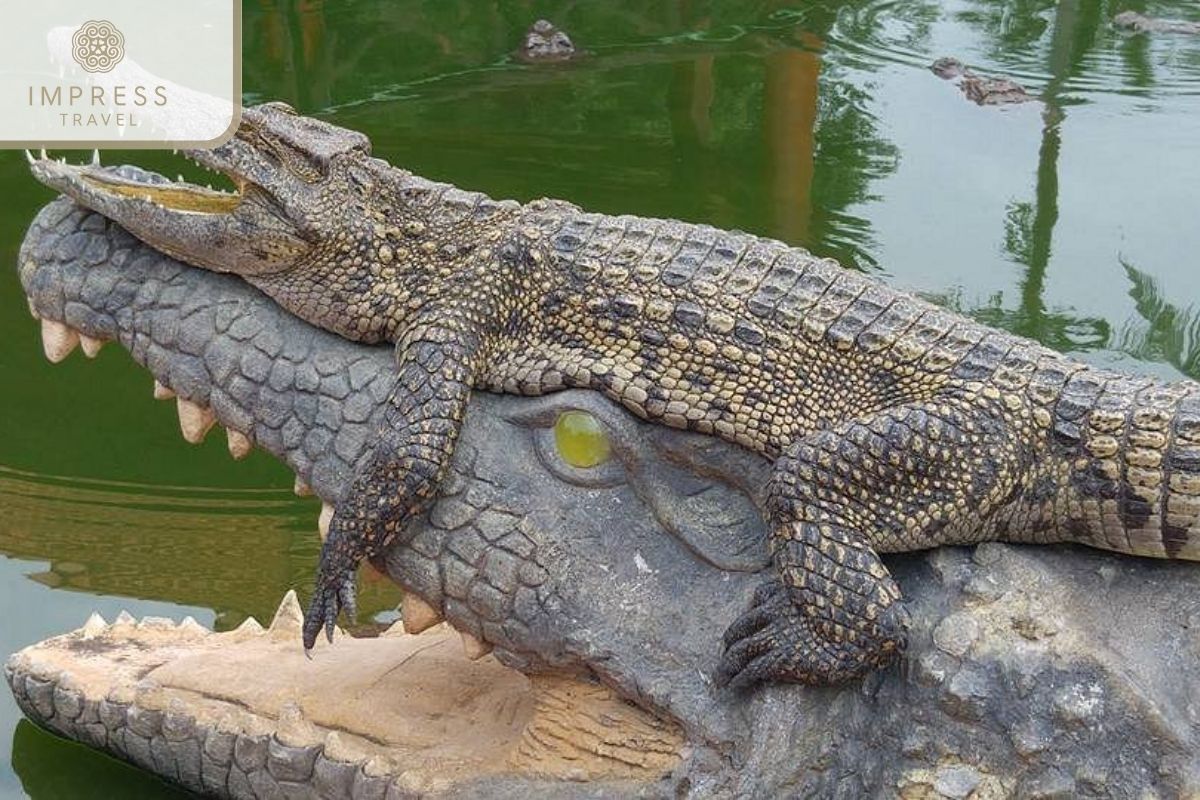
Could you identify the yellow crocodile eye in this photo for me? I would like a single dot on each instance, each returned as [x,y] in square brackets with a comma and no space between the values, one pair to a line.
[580,439]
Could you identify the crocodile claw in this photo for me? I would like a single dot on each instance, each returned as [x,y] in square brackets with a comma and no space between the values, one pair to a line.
[332,596]
[760,643]
[776,641]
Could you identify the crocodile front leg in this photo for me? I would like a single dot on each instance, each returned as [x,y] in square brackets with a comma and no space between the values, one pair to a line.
[436,366]
[907,478]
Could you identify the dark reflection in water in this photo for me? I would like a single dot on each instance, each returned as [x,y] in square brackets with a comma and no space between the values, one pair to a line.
[51,768]
[1029,227]
[720,125]
[1165,332]
[1075,36]
[297,54]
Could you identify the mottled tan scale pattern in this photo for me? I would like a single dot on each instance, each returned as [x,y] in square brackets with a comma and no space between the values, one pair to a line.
[893,424]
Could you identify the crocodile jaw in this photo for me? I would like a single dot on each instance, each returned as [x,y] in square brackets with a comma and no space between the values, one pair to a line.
[400,708]
[289,171]
[239,232]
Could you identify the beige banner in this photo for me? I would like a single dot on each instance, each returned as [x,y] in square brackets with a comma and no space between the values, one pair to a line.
[120,73]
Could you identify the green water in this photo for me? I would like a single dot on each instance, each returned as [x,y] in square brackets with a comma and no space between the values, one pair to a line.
[1073,221]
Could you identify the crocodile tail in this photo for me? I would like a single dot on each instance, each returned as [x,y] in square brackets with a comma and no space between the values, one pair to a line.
[1135,477]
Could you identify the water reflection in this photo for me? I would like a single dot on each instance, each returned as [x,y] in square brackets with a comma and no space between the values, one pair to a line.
[1165,332]
[1106,61]
[706,92]
[234,551]
[872,35]
[1076,34]
[296,55]
[1029,227]
[50,768]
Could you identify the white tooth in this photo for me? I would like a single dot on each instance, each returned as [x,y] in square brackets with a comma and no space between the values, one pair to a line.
[62,160]
[289,618]
[180,178]
[95,158]
[239,444]
[42,155]
[90,345]
[162,392]
[94,626]
[300,488]
[324,519]
[29,157]
[174,152]
[474,647]
[189,625]
[195,420]
[396,629]
[58,340]
[33,310]
[417,614]
[124,618]
[249,628]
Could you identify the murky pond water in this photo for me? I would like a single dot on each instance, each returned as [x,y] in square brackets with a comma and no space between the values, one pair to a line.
[1072,220]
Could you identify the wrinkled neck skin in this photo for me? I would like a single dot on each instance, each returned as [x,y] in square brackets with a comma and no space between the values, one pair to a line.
[388,255]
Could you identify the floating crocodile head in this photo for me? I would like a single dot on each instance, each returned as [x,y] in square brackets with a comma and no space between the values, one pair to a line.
[980,89]
[546,42]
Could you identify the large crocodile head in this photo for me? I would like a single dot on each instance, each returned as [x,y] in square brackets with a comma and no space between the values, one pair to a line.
[622,570]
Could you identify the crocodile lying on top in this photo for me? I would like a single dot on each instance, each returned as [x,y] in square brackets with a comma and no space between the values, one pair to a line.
[891,424]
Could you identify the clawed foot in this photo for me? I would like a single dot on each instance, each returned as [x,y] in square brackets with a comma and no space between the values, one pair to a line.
[760,644]
[333,595]
[775,641]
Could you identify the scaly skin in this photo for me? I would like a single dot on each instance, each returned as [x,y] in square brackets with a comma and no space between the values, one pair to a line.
[892,424]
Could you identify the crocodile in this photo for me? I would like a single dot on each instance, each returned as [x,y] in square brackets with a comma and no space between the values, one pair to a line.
[981,90]
[889,424]
[1140,23]
[545,42]
[1021,660]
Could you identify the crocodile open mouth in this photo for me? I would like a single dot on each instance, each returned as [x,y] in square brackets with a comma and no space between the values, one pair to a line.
[182,196]
[429,703]
[204,709]
[279,166]
[249,230]
[94,184]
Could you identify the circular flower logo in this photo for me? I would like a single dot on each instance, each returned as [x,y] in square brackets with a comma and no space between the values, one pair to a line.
[98,46]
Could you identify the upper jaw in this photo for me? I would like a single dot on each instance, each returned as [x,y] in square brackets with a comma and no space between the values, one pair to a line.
[120,192]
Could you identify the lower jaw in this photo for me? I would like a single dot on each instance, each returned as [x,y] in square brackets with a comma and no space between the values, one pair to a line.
[213,711]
